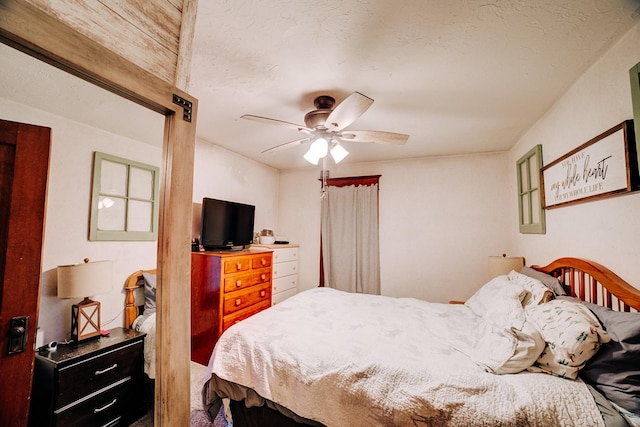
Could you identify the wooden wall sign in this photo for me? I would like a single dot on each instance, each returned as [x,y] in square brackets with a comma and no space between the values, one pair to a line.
[604,166]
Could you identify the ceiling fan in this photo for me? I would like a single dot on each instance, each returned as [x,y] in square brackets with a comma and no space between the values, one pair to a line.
[325,127]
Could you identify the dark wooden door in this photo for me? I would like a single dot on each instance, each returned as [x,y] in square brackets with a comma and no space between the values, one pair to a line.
[24,166]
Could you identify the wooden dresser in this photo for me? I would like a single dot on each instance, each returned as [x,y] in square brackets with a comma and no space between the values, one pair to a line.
[226,287]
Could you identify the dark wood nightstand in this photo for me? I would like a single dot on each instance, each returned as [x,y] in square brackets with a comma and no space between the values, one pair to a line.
[96,383]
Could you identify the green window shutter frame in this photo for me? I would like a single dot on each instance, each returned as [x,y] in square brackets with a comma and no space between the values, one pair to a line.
[130,189]
[531,216]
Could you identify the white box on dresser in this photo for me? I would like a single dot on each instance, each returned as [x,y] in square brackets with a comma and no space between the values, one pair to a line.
[285,271]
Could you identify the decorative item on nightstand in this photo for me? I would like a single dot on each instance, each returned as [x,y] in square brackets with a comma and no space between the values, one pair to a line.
[79,281]
[500,265]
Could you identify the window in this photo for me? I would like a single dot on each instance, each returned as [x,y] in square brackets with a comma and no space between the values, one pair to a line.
[124,199]
[532,218]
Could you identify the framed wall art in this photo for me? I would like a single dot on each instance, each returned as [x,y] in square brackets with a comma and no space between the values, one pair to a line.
[604,166]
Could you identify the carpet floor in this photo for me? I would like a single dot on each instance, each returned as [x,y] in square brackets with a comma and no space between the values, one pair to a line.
[198,415]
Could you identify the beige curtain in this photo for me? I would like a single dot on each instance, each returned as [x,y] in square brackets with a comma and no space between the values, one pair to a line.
[350,250]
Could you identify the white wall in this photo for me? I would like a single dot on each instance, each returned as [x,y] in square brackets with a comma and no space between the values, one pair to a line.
[605,231]
[222,174]
[440,218]
[68,207]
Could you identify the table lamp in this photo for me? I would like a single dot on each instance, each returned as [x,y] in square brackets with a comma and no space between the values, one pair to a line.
[82,281]
[500,265]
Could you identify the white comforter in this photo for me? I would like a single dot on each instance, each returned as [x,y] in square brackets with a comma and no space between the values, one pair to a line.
[360,360]
[147,324]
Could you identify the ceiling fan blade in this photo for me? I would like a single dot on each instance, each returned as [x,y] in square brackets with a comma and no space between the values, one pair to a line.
[345,113]
[376,136]
[277,122]
[287,145]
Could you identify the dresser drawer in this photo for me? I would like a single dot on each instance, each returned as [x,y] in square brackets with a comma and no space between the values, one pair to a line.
[284,283]
[281,296]
[236,265]
[261,261]
[232,319]
[237,282]
[102,409]
[285,254]
[282,269]
[237,301]
[95,373]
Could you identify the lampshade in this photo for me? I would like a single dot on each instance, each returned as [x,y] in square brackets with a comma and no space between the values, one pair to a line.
[82,281]
[338,153]
[500,265]
[320,148]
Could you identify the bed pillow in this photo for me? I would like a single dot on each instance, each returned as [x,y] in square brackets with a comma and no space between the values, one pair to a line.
[615,369]
[149,292]
[537,293]
[549,281]
[483,302]
[572,333]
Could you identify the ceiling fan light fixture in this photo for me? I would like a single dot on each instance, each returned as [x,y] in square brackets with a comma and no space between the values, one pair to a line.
[311,157]
[320,147]
[338,152]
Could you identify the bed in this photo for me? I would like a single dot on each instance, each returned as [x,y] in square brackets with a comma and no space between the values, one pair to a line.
[552,345]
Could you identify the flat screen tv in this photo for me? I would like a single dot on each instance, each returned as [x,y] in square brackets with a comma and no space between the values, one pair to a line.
[226,225]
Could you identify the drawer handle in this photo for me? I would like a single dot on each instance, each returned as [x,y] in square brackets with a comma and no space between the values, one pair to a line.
[263,276]
[263,261]
[238,283]
[104,371]
[112,423]
[238,302]
[107,406]
[263,293]
[238,265]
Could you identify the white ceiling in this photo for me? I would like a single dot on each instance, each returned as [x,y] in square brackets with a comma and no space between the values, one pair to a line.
[458,76]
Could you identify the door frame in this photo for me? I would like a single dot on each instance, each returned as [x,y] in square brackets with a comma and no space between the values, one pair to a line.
[28,29]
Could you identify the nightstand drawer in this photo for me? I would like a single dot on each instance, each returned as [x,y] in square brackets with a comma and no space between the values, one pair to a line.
[95,373]
[237,301]
[103,409]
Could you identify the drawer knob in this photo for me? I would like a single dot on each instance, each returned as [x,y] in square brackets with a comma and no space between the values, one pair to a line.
[105,370]
[238,265]
[107,406]
[238,301]
[263,261]
[263,293]
[263,276]
[238,283]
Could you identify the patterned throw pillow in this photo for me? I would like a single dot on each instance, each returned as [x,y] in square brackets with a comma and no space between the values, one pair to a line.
[572,333]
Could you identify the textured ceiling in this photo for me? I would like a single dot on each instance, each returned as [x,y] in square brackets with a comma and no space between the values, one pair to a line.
[458,76]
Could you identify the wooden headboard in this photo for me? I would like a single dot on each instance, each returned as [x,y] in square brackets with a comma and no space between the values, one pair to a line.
[131,310]
[592,282]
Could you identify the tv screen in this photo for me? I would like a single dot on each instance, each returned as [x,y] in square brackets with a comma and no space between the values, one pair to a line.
[226,225]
